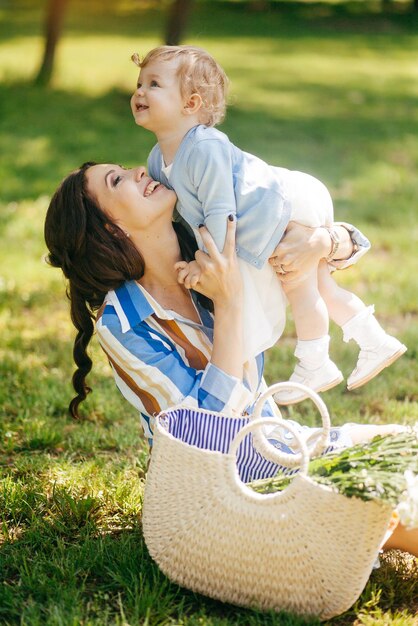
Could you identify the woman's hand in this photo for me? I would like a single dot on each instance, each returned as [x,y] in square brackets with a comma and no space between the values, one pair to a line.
[300,249]
[220,278]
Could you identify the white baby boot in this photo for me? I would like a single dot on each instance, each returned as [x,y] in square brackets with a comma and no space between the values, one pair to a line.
[315,370]
[377,348]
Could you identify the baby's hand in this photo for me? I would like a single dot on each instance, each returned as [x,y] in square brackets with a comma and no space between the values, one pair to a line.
[188,274]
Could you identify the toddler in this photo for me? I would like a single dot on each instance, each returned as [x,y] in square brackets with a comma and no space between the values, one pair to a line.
[180,97]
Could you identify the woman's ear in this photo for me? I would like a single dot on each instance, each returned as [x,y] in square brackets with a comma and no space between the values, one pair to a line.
[193,104]
[116,229]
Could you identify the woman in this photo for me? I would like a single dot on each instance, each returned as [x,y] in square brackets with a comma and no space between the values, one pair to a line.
[111,232]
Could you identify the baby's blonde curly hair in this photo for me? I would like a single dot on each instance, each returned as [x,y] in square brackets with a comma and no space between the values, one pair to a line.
[198,72]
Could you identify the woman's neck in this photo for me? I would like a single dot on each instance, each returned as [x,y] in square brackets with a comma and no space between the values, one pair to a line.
[160,251]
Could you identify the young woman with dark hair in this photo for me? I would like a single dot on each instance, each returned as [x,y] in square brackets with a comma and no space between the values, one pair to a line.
[96,256]
[111,232]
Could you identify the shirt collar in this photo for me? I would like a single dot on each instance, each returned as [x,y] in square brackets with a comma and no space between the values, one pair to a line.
[133,304]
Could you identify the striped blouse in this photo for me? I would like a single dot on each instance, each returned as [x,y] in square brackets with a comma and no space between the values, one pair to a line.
[160,359]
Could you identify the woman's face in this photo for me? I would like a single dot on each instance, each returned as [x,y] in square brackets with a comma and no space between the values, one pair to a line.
[129,197]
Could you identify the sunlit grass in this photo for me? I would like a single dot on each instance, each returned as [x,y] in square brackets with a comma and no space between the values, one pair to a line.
[327,93]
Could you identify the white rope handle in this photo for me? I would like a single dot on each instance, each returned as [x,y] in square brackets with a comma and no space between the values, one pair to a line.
[232,473]
[321,441]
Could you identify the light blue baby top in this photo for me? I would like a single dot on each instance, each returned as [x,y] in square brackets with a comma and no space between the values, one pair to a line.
[213,178]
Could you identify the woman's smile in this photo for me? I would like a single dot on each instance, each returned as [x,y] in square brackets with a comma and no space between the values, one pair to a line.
[129,196]
[151,187]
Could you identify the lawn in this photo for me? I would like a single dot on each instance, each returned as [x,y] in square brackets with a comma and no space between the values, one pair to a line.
[323,90]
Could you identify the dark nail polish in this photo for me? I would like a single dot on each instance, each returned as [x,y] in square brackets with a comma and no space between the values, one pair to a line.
[231,217]
[201,225]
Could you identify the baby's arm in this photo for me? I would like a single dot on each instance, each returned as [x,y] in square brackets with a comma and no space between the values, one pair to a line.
[210,169]
[154,163]
[188,274]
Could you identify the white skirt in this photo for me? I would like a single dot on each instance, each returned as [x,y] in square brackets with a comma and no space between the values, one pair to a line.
[264,299]
[264,315]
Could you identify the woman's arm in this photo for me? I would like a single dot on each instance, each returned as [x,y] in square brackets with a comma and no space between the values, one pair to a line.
[220,280]
[216,275]
[303,246]
[357,246]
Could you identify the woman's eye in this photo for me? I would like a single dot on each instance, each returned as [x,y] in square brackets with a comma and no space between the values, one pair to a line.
[117,180]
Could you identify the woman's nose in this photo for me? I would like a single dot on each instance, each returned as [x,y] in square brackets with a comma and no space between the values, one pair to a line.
[139,172]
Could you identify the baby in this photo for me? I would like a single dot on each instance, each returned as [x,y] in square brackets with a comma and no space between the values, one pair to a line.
[180,97]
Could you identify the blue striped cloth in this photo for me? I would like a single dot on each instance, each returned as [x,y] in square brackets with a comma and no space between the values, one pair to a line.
[215,432]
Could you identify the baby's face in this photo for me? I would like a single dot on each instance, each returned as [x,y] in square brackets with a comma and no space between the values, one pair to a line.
[157,103]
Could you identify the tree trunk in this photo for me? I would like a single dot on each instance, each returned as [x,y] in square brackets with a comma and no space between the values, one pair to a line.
[177,21]
[53,25]
[258,5]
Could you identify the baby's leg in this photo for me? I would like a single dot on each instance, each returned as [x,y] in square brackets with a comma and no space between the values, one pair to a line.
[377,348]
[342,305]
[308,307]
[314,369]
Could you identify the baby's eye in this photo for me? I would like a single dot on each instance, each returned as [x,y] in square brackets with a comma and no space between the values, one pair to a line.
[154,83]
[116,180]
[138,85]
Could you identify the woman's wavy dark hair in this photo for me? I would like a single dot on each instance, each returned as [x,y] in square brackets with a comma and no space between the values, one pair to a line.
[95,256]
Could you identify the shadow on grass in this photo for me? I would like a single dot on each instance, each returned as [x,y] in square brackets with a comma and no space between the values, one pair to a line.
[62,568]
[78,576]
[46,134]
[215,19]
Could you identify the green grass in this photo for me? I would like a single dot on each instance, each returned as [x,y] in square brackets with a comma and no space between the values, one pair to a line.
[331,91]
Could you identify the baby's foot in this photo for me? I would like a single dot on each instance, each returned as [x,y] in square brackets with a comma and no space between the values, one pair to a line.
[372,361]
[321,379]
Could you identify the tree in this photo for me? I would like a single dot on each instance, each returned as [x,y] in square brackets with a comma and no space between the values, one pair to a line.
[177,20]
[179,12]
[53,26]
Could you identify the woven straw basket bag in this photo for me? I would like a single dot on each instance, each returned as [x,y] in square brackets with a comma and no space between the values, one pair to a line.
[307,549]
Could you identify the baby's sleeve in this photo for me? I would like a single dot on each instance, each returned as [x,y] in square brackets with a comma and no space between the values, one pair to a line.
[154,163]
[211,173]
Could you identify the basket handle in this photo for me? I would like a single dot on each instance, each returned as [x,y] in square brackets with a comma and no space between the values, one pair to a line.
[232,472]
[267,449]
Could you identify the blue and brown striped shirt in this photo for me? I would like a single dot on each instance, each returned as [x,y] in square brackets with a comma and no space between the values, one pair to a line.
[161,359]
